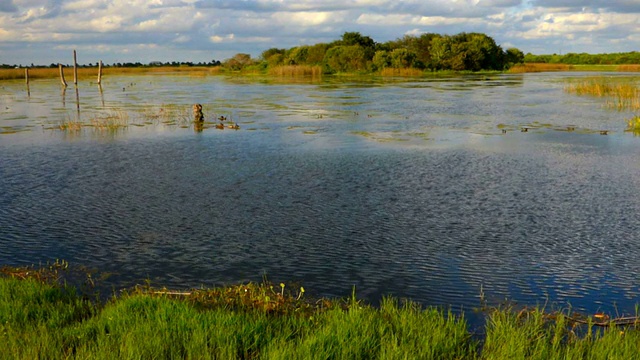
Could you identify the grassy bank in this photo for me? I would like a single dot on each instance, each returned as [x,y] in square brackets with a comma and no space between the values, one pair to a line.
[41,319]
[92,72]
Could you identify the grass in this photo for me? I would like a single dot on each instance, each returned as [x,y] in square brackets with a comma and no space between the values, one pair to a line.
[92,72]
[408,72]
[539,67]
[619,93]
[296,70]
[629,68]
[41,317]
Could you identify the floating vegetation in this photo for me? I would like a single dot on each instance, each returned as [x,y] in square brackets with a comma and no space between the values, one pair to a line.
[111,121]
[619,93]
[392,136]
[633,125]
[70,125]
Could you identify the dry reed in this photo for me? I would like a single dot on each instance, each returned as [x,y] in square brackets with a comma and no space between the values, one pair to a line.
[629,68]
[403,72]
[619,94]
[296,70]
[91,72]
[539,67]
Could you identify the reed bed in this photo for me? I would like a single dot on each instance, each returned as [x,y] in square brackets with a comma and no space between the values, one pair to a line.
[91,72]
[629,68]
[539,67]
[619,93]
[41,317]
[401,72]
[296,70]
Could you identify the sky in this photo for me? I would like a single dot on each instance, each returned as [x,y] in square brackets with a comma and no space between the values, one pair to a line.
[44,32]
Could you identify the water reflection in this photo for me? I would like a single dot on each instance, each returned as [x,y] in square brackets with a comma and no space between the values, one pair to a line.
[402,188]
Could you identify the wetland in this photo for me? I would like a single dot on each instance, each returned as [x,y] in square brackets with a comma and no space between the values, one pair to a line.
[425,188]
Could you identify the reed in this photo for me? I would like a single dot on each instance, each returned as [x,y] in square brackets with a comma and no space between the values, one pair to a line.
[296,70]
[619,93]
[111,121]
[91,72]
[401,72]
[629,68]
[539,67]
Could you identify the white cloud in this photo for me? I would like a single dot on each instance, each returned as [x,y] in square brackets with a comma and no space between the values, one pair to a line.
[251,26]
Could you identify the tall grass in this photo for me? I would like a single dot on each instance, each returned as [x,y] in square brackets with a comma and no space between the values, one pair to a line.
[619,93]
[629,68]
[91,72]
[406,72]
[41,318]
[296,70]
[539,67]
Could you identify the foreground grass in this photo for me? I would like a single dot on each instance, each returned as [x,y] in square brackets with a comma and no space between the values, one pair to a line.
[41,319]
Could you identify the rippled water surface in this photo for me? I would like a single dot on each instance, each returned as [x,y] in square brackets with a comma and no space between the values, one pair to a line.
[402,187]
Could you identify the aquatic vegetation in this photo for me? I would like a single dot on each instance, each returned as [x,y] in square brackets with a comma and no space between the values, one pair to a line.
[539,67]
[408,72]
[634,125]
[619,93]
[111,121]
[629,68]
[296,70]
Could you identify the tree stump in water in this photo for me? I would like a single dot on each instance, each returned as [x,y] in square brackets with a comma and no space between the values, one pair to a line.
[198,116]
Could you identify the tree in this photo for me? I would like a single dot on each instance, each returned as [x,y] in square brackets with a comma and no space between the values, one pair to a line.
[514,56]
[345,59]
[238,61]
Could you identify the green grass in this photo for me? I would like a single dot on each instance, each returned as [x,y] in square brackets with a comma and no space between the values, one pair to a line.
[40,318]
[620,93]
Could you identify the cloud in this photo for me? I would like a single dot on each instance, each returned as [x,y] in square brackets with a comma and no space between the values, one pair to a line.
[206,29]
[7,6]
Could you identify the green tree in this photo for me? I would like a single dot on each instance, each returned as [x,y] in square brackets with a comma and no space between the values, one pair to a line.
[381,60]
[316,53]
[402,58]
[238,61]
[514,56]
[345,59]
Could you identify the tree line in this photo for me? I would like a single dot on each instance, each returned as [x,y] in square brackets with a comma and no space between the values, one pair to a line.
[355,52]
[625,58]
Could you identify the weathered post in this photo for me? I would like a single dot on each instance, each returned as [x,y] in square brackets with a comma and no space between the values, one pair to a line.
[62,80]
[198,116]
[99,72]
[75,68]
[26,79]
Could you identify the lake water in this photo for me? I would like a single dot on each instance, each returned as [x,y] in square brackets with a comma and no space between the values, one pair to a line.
[394,186]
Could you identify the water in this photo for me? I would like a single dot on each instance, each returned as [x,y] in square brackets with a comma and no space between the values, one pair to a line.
[404,188]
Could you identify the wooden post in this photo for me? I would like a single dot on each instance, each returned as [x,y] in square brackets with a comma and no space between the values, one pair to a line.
[75,69]
[62,80]
[99,72]
[26,79]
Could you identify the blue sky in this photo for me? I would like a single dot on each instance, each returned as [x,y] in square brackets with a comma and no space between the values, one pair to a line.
[45,32]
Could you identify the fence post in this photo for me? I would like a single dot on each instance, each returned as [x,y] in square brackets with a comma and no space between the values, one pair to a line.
[99,72]
[62,80]
[75,68]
